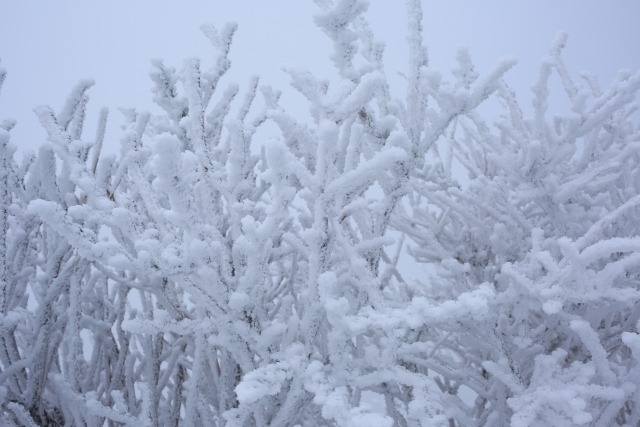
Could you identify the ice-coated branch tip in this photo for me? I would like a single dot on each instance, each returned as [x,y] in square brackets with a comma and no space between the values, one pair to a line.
[558,44]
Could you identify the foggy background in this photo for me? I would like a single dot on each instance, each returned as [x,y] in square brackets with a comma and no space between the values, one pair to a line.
[47,47]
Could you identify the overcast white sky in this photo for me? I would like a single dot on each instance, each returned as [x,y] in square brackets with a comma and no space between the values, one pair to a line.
[48,46]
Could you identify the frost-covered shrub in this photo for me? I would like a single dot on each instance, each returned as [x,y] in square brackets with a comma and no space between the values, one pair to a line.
[546,220]
[205,276]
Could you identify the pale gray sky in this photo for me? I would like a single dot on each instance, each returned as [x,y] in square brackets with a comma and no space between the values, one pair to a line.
[48,46]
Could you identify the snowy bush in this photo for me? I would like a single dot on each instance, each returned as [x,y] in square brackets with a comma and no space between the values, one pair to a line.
[207,276]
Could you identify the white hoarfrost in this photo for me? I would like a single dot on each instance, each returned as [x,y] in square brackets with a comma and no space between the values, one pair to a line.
[207,276]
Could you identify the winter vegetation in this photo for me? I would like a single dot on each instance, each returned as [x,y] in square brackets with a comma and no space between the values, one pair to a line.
[205,276]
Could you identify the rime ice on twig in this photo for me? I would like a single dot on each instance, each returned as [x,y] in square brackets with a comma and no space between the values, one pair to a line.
[205,276]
